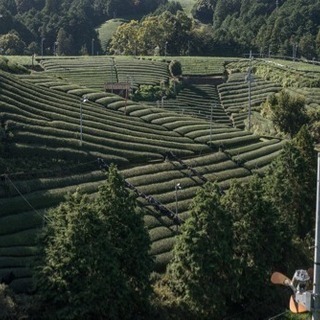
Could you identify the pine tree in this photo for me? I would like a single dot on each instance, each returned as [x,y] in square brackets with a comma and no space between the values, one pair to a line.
[199,272]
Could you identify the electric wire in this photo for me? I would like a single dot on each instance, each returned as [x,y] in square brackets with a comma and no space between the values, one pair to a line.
[21,195]
[236,315]
[253,307]
[43,216]
[277,316]
[55,171]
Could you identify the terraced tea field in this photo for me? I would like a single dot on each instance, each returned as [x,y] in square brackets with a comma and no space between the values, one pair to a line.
[234,95]
[199,100]
[202,66]
[296,65]
[311,95]
[21,216]
[94,72]
[155,148]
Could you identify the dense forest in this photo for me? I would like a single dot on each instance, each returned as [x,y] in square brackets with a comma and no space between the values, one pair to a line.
[216,27]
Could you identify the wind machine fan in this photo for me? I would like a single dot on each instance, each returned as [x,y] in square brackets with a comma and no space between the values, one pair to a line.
[301,299]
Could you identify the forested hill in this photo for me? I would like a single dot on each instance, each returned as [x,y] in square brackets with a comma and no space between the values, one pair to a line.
[268,25]
[215,27]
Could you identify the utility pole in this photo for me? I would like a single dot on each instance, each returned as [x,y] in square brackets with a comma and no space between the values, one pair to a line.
[128,91]
[92,47]
[294,51]
[126,96]
[82,100]
[42,41]
[111,68]
[55,44]
[269,52]
[162,99]
[211,113]
[177,187]
[316,274]
[249,79]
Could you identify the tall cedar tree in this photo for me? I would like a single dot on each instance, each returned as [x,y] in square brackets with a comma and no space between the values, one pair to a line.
[258,246]
[129,237]
[199,272]
[94,260]
[77,273]
[290,185]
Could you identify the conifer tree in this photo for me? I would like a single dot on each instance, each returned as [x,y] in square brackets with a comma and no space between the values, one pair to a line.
[305,143]
[77,273]
[258,244]
[94,261]
[291,189]
[129,237]
[202,257]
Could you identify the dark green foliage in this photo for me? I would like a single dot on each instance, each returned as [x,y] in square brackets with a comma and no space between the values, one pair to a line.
[203,10]
[175,68]
[129,238]
[305,143]
[7,304]
[171,6]
[282,30]
[239,26]
[9,66]
[290,186]
[73,271]
[12,44]
[153,93]
[148,93]
[14,306]
[37,20]
[94,257]
[258,244]
[288,112]
[202,256]
[64,42]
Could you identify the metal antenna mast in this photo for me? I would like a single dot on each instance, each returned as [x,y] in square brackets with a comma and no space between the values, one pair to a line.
[316,274]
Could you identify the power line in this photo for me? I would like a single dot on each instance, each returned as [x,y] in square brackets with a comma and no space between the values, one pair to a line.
[277,316]
[245,310]
[6,175]
[25,199]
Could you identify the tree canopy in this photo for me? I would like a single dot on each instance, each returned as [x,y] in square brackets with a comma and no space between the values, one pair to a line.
[232,27]
[94,260]
[202,260]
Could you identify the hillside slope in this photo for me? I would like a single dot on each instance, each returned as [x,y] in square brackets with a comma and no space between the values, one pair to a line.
[42,160]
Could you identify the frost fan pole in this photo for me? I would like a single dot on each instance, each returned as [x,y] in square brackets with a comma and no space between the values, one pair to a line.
[316,276]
